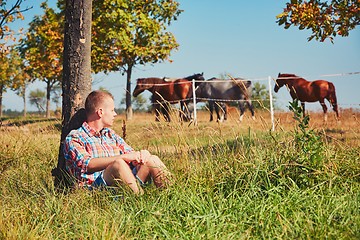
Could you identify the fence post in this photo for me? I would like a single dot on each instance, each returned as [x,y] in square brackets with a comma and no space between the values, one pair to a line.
[194,101]
[271,106]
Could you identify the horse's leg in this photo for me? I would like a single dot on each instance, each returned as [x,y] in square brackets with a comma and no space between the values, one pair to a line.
[335,108]
[163,112]
[224,108]
[162,108]
[221,111]
[218,108]
[242,110]
[251,108]
[166,111]
[331,97]
[211,109]
[333,102]
[303,108]
[184,111]
[190,110]
[181,112]
[323,105]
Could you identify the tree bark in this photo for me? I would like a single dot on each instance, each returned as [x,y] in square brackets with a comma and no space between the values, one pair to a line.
[24,100]
[48,92]
[129,111]
[76,83]
[1,98]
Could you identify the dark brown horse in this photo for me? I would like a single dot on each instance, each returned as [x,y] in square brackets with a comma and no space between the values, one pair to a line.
[167,92]
[306,91]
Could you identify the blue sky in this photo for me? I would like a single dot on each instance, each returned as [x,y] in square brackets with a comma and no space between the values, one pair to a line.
[240,38]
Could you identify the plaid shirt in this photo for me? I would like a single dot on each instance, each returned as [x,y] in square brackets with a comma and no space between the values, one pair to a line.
[84,144]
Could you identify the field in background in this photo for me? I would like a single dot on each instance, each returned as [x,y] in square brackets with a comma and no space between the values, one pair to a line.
[233,180]
[346,130]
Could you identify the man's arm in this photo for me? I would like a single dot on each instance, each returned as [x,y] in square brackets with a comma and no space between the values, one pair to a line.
[99,164]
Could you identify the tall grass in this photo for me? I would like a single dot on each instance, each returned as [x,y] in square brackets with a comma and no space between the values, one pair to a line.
[232,181]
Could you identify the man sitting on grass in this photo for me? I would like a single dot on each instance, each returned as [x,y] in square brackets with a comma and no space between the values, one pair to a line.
[96,156]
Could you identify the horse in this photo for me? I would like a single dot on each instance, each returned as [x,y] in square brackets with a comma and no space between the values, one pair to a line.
[218,91]
[306,91]
[166,92]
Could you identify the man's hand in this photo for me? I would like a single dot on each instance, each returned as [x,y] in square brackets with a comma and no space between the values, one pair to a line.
[144,156]
[136,157]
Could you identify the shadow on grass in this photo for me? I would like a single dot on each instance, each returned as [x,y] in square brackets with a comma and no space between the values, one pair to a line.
[229,146]
[18,122]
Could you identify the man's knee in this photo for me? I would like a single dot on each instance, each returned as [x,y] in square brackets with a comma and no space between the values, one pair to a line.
[118,165]
[115,169]
[153,161]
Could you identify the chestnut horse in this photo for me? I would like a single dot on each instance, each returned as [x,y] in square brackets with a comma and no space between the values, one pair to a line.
[167,92]
[306,91]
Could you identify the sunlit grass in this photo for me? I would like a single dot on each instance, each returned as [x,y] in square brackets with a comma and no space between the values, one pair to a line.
[232,181]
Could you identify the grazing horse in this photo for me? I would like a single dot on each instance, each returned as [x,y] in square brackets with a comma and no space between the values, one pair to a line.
[306,91]
[217,90]
[165,92]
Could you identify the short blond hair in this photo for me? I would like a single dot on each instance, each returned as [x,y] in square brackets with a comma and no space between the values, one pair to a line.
[94,99]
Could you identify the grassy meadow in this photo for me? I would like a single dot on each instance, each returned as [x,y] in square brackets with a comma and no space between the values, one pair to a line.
[232,180]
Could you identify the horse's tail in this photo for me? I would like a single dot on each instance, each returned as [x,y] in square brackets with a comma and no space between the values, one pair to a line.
[332,98]
[248,88]
[248,100]
[247,83]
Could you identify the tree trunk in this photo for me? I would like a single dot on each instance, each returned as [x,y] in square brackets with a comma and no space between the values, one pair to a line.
[76,84]
[24,100]
[129,111]
[48,93]
[1,98]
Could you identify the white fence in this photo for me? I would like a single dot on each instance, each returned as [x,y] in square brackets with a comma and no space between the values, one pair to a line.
[269,79]
[270,95]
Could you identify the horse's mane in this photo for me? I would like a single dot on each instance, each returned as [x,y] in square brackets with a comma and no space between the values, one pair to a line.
[197,76]
[191,77]
[287,75]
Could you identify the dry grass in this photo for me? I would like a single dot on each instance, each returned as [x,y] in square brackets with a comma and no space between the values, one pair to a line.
[143,131]
[143,126]
[233,180]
